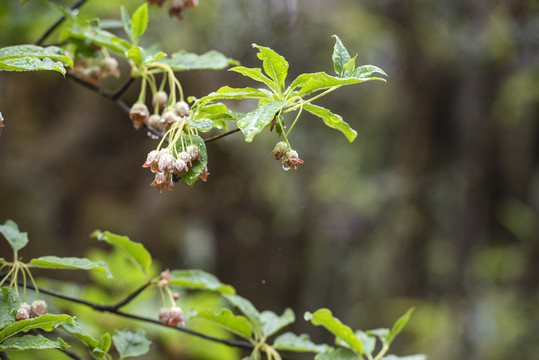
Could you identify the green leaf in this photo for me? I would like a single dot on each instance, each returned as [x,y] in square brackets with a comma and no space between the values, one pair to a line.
[54,262]
[153,57]
[302,343]
[202,124]
[129,343]
[135,54]
[227,92]
[411,357]
[349,67]
[9,303]
[98,349]
[212,60]
[332,120]
[320,81]
[399,325]
[257,120]
[369,342]
[247,308]
[139,22]
[338,354]
[14,237]
[135,251]
[32,342]
[381,334]
[271,323]
[366,71]
[33,58]
[235,323]
[126,23]
[101,38]
[64,10]
[198,166]
[47,322]
[275,66]
[255,74]
[325,318]
[340,57]
[198,279]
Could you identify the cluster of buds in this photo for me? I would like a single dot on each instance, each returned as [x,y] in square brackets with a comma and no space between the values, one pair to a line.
[38,308]
[94,74]
[165,165]
[1,122]
[163,118]
[288,156]
[177,7]
[172,316]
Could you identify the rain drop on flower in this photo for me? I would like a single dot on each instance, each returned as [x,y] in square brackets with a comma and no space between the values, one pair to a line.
[285,167]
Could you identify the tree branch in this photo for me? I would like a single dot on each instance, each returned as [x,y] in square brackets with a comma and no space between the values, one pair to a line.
[221,135]
[114,309]
[3,356]
[53,27]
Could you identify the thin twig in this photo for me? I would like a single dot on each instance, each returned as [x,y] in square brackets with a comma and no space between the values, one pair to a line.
[3,356]
[53,27]
[122,89]
[72,355]
[221,135]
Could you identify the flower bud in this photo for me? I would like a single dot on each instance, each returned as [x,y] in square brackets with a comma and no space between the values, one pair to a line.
[26,306]
[164,315]
[193,151]
[22,314]
[138,114]
[184,155]
[109,66]
[180,167]
[292,160]
[156,122]
[204,174]
[175,296]
[280,150]
[176,316]
[160,100]
[169,118]
[182,108]
[176,10]
[166,163]
[190,3]
[39,307]
[1,122]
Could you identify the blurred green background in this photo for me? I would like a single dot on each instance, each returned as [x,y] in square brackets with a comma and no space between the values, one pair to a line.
[435,205]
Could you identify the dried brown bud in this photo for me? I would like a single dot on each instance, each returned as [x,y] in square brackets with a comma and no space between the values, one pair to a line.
[204,174]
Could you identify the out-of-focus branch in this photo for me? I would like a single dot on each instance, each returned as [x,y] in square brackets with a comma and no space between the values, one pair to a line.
[221,135]
[53,27]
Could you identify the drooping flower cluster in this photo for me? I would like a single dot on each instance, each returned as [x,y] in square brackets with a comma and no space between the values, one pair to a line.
[38,308]
[162,118]
[166,163]
[174,315]
[101,69]
[289,157]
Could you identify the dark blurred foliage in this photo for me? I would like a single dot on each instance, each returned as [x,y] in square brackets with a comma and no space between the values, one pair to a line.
[434,205]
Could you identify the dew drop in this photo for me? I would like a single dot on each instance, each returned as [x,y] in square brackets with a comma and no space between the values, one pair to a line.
[285,167]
